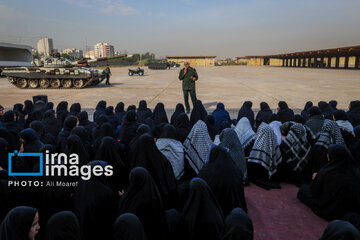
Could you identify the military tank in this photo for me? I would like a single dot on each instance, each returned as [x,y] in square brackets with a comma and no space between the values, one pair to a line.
[158,65]
[55,72]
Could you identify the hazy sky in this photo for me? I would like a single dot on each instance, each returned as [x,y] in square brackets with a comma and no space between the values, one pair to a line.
[225,28]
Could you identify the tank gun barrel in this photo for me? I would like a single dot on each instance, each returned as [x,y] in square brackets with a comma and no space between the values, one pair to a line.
[85,61]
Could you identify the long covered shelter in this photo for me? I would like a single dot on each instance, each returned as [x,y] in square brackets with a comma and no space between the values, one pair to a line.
[343,57]
[194,60]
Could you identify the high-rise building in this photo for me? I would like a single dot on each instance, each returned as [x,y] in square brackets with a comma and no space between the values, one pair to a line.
[104,50]
[90,54]
[45,46]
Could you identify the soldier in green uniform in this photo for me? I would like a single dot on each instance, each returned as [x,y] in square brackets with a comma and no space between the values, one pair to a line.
[107,74]
[188,75]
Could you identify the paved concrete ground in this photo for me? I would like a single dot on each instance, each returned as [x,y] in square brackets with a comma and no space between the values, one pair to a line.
[231,85]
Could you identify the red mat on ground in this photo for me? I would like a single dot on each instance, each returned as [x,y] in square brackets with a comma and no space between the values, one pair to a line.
[278,215]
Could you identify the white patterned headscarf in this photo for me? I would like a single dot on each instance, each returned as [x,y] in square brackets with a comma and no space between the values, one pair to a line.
[330,134]
[296,146]
[346,126]
[230,140]
[197,146]
[173,150]
[266,151]
[275,125]
[245,132]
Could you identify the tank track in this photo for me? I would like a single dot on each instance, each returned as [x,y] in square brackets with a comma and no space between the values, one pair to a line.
[89,82]
[157,66]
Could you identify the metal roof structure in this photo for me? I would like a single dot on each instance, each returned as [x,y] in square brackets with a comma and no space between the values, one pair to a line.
[190,57]
[332,52]
[15,55]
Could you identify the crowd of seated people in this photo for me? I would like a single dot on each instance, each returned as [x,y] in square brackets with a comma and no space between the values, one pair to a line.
[177,179]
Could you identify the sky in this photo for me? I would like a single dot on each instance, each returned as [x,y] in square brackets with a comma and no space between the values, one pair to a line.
[227,28]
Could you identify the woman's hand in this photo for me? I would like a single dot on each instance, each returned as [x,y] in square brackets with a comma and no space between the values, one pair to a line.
[121,192]
[314,176]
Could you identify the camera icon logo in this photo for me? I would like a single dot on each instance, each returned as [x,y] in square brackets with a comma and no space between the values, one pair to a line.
[25,155]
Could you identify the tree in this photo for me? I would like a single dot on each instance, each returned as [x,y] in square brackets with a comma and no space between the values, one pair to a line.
[67,56]
[148,56]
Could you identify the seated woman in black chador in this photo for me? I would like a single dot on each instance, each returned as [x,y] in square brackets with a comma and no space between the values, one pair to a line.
[314,124]
[265,156]
[246,111]
[100,109]
[183,127]
[63,225]
[128,227]
[143,199]
[294,149]
[264,115]
[335,189]
[95,205]
[143,112]
[159,115]
[346,129]
[220,116]
[326,109]
[210,123]
[202,213]
[245,134]
[198,113]
[21,223]
[354,113]
[238,225]
[305,112]
[225,179]
[316,159]
[285,114]
[144,153]
[340,230]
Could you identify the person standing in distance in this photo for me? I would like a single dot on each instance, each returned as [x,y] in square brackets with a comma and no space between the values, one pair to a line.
[188,75]
[107,74]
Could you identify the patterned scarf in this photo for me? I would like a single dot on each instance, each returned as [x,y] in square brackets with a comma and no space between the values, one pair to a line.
[330,134]
[173,150]
[197,146]
[266,151]
[275,125]
[244,131]
[230,140]
[346,126]
[296,146]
